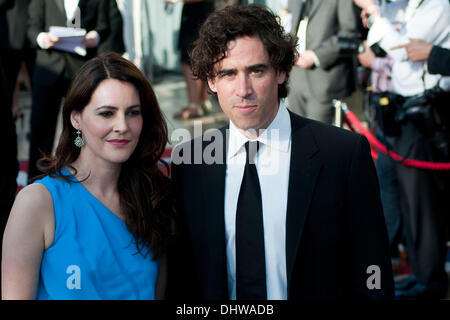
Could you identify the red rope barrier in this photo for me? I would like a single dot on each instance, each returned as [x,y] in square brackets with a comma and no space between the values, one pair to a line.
[353,120]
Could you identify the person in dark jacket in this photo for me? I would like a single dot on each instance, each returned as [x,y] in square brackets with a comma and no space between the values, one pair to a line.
[312,225]
[55,68]
[14,50]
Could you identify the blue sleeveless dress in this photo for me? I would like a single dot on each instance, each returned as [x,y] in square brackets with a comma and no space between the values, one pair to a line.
[93,255]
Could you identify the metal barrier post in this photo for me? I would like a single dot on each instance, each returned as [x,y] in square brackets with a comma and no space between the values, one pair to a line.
[337,104]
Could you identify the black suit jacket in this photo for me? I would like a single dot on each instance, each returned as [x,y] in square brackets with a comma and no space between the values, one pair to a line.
[13,24]
[52,64]
[335,228]
[439,61]
[114,40]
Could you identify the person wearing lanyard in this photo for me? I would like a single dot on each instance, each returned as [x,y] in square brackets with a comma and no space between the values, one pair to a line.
[424,193]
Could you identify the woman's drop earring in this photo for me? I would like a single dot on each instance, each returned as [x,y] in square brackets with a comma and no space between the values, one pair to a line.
[79,141]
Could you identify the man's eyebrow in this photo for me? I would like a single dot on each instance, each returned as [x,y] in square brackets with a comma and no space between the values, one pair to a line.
[257,66]
[225,71]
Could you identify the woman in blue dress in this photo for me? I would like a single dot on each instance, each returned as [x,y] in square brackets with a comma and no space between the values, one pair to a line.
[98,224]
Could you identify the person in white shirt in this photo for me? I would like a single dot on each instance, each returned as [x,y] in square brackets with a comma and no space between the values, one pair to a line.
[423,136]
[54,67]
[299,217]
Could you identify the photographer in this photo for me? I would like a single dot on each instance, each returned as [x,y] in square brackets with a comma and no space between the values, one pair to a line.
[422,135]
[380,63]
[380,84]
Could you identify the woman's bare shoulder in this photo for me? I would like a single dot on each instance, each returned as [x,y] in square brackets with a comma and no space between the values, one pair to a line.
[34,195]
[33,212]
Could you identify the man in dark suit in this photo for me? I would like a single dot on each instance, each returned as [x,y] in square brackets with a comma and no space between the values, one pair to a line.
[14,49]
[8,162]
[14,44]
[55,68]
[322,72]
[307,196]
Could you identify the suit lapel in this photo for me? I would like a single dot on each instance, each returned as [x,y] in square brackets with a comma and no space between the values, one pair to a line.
[295,8]
[213,195]
[304,170]
[60,6]
[314,6]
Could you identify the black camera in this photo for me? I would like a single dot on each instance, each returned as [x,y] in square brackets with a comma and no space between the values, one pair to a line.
[386,110]
[349,46]
[423,111]
[378,51]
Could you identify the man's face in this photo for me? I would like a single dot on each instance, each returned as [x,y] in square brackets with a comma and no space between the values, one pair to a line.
[247,85]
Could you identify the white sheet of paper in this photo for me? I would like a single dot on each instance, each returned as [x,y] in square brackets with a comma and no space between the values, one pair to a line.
[63,32]
[69,39]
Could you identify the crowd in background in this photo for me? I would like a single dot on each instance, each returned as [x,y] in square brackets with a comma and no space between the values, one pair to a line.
[400,43]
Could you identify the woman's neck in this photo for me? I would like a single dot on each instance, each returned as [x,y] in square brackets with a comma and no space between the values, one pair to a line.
[100,179]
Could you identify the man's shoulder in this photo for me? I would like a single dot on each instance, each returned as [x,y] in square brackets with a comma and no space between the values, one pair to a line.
[332,142]
[321,131]
[329,144]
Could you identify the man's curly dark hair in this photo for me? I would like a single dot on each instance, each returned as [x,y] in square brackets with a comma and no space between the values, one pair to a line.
[234,22]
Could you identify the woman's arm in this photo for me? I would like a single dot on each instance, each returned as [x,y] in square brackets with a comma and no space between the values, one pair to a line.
[29,231]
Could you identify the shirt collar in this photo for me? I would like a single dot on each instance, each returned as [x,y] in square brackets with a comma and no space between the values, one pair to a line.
[277,135]
[70,7]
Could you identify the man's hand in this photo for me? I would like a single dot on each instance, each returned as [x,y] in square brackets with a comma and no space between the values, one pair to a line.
[365,18]
[368,8]
[306,60]
[91,39]
[364,4]
[366,58]
[417,49]
[49,41]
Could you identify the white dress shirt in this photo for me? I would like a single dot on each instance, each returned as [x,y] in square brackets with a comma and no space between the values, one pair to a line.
[272,162]
[70,8]
[429,21]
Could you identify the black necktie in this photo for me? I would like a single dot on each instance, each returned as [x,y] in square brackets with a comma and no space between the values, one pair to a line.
[250,257]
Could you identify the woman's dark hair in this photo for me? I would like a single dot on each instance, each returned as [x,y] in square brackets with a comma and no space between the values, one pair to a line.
[144,191]
[234,22]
